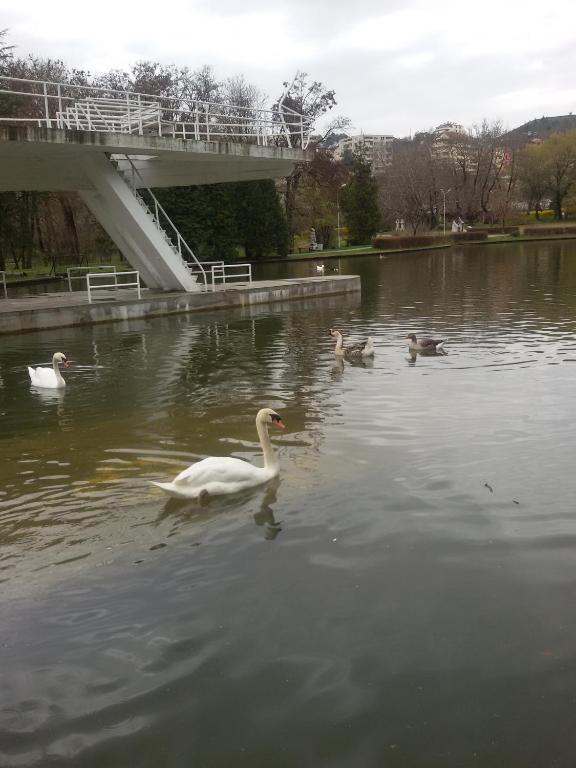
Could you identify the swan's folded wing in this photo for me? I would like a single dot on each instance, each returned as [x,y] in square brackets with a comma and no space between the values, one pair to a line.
[216,468]
[44,375]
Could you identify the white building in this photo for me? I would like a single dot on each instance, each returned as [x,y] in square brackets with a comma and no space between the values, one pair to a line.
[378,149]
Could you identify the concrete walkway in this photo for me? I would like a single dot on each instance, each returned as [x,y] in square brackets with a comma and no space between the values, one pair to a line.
[57,310]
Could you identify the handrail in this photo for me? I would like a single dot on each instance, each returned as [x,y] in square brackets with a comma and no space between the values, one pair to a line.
[71,277]
[198,119]
[134,284]
[219,272]
[204,264]
[159,209]
[3,274]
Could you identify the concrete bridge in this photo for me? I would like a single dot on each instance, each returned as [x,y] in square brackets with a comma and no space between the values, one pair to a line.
[110,145]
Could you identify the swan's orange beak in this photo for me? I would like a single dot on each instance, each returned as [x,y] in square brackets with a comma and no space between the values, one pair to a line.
[280,424]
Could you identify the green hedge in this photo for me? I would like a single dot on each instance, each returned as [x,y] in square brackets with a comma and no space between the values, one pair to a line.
[550,230]
[408,241]
[459,236]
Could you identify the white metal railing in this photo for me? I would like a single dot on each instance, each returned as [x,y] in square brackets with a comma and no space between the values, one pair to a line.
[161,220]
[77,107]
[3,279]
[205,265]
[135,283]
[85,270]
[223,271]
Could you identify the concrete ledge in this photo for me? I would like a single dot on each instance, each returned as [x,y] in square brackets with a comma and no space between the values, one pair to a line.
[58,310]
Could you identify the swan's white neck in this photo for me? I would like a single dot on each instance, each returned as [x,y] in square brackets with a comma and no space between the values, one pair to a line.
[270,459]
[57,373]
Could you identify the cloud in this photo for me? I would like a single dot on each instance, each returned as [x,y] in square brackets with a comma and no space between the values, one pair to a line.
[396,66]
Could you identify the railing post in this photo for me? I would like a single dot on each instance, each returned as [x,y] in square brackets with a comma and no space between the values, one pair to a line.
[69,280]
[140,130]
[196,122]
[46,110]
[128,113]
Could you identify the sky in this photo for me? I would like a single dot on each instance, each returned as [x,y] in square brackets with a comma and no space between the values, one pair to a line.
[397,67]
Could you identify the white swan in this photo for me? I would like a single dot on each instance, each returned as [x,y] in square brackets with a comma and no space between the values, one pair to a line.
[224,474]
[49,378]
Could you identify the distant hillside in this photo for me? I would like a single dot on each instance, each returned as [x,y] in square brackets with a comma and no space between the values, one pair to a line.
[542,127]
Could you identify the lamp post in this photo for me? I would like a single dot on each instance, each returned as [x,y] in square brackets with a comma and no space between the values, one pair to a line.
[444,193]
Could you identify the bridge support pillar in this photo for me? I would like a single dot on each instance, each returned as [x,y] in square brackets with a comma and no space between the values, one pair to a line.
[132,228]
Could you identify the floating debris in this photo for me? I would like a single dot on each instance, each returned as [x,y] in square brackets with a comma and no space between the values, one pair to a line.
[489,487]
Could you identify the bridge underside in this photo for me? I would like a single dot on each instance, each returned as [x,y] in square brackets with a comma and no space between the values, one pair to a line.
[51,159]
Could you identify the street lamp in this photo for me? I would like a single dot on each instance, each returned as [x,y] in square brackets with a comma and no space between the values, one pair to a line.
[444,193]
[338,212]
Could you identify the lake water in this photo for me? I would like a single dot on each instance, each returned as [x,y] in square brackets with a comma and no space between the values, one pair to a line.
[403,595]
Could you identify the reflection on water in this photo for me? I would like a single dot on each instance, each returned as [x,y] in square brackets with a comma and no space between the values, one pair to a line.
[401,595]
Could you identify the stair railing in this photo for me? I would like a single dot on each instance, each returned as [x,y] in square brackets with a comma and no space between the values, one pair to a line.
[181,244]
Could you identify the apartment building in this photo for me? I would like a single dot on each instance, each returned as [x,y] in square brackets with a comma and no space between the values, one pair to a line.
[378,149]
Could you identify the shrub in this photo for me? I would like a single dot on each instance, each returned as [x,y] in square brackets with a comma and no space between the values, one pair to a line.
[408,241]
[460,236]
[550,230]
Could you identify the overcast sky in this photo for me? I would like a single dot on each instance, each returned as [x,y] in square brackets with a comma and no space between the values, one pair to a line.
[397,67]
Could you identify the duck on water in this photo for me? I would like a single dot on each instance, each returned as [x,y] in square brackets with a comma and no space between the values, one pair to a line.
[425,344]
[358,350]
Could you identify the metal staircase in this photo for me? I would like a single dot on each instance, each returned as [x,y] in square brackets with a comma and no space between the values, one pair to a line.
[160,219]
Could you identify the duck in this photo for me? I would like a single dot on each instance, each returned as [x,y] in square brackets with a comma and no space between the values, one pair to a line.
[320,268]
[424,345]
[361,349]
[218,475]
[49,378]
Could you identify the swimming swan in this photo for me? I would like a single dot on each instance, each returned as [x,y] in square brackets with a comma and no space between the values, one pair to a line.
[224,474]
[49,378]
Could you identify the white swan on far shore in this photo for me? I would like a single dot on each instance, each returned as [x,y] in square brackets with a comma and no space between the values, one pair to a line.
[224,474]
[49,378]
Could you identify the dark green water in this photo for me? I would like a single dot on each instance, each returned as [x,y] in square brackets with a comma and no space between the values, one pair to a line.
[403,596]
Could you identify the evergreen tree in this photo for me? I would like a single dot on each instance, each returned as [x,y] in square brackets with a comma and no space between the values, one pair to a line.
[260,220]
[359,201]
[216,219]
